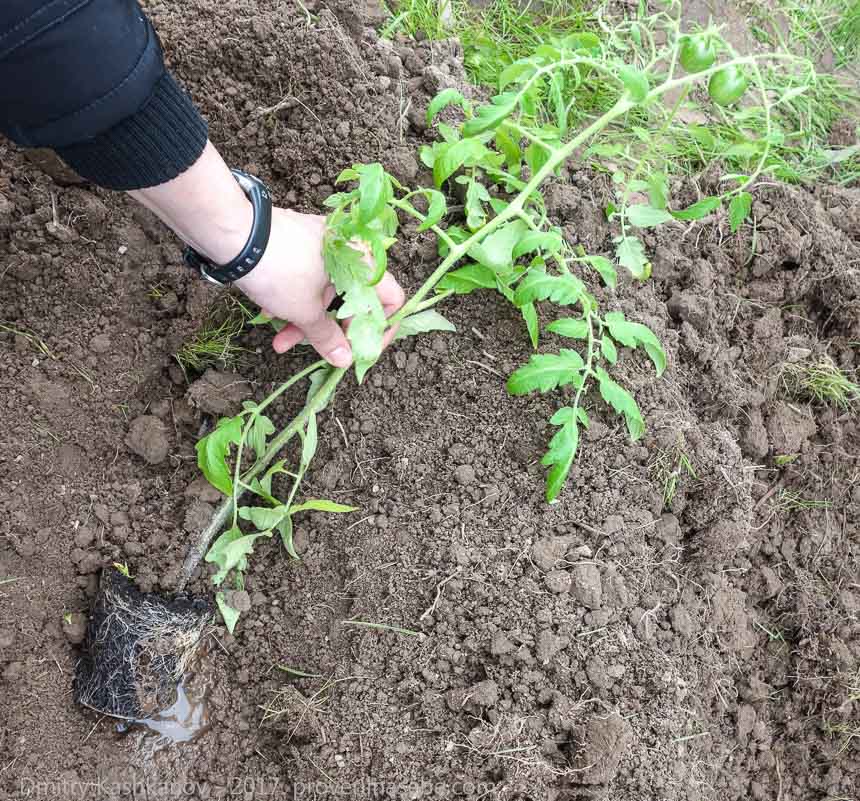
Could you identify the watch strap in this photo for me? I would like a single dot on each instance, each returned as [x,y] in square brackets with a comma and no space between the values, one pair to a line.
[249,257]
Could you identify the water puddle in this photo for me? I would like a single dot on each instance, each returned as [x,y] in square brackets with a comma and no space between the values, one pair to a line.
[186,719]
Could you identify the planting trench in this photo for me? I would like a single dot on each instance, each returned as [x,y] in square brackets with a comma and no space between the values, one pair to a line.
[611,646]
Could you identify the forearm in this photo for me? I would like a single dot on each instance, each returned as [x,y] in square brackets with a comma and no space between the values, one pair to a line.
[204,206]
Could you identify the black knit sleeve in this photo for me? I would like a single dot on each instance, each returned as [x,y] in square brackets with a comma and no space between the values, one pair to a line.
[87,78]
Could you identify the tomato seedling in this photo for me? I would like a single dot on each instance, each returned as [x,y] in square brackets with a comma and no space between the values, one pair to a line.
[500,154]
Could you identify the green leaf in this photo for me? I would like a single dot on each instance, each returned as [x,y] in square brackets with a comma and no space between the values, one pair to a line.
[582,417]
[262,517]
[489,117]
[285,529]
[607,348]
[604,268]
[344,264]
[532,325]
[212,453]
[643,216]
[423,323]
[476,196]
[547,371]
[452,156]
[635,82]
[622,401]
[562,451]
[233,554]
[445,98]
[574,328]
[436,209]
[518,72]
[309,442]
[365,335]
[631,255]
[349,174]
[496,250]
[739,209]
[509,147]
[374,191]
[228,613]
[215,554]
[565,289]
[698,210]
[318,505]
[556,94]
[261,429]
[536,156]
[632,334]
[468,278]
[658,190]
[548,241]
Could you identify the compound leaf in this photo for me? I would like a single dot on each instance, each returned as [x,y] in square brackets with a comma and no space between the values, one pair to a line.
[632,334]
[547,371]
[445,98]
[739,209]
[562,451]
[623,403]
[228,613]
[285,529]
[374,191]
[263,518]
[454,155]
[422,323]
[631,255]
[574,328]
[607,348]
[643,216]
[549,241]
[233,554]
[365,334]
[468,278]
[604,269]
[489,117]
[565,289]
[496,250]
[532,325]
[212,453]
[635,82]
[436,209]
[698,210]
[261,429]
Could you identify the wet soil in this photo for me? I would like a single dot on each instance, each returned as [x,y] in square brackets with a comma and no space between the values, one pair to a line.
[616,645]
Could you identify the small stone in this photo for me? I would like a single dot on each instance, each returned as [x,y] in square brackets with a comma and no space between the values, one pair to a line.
[202,490]
[84,537]
[548,645]
[239,600]
[501,644]
[197,516]
[218,393]
[465,474]
[547,551]
[557,581]
[147,437]
[75,627]
[586,585]
[100,343]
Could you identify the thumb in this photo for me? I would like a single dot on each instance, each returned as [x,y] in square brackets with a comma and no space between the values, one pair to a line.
[329,341]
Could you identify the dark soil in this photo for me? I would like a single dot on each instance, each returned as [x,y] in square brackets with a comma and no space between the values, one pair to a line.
[614,645]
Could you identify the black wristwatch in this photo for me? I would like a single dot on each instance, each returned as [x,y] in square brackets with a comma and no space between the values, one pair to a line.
[255,247]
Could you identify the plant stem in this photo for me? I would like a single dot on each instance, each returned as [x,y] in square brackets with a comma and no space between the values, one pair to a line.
[213,529]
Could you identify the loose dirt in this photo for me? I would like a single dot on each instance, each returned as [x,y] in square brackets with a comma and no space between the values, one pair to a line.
[620,644]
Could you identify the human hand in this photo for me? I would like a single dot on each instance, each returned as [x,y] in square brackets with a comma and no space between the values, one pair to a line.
[291,283]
